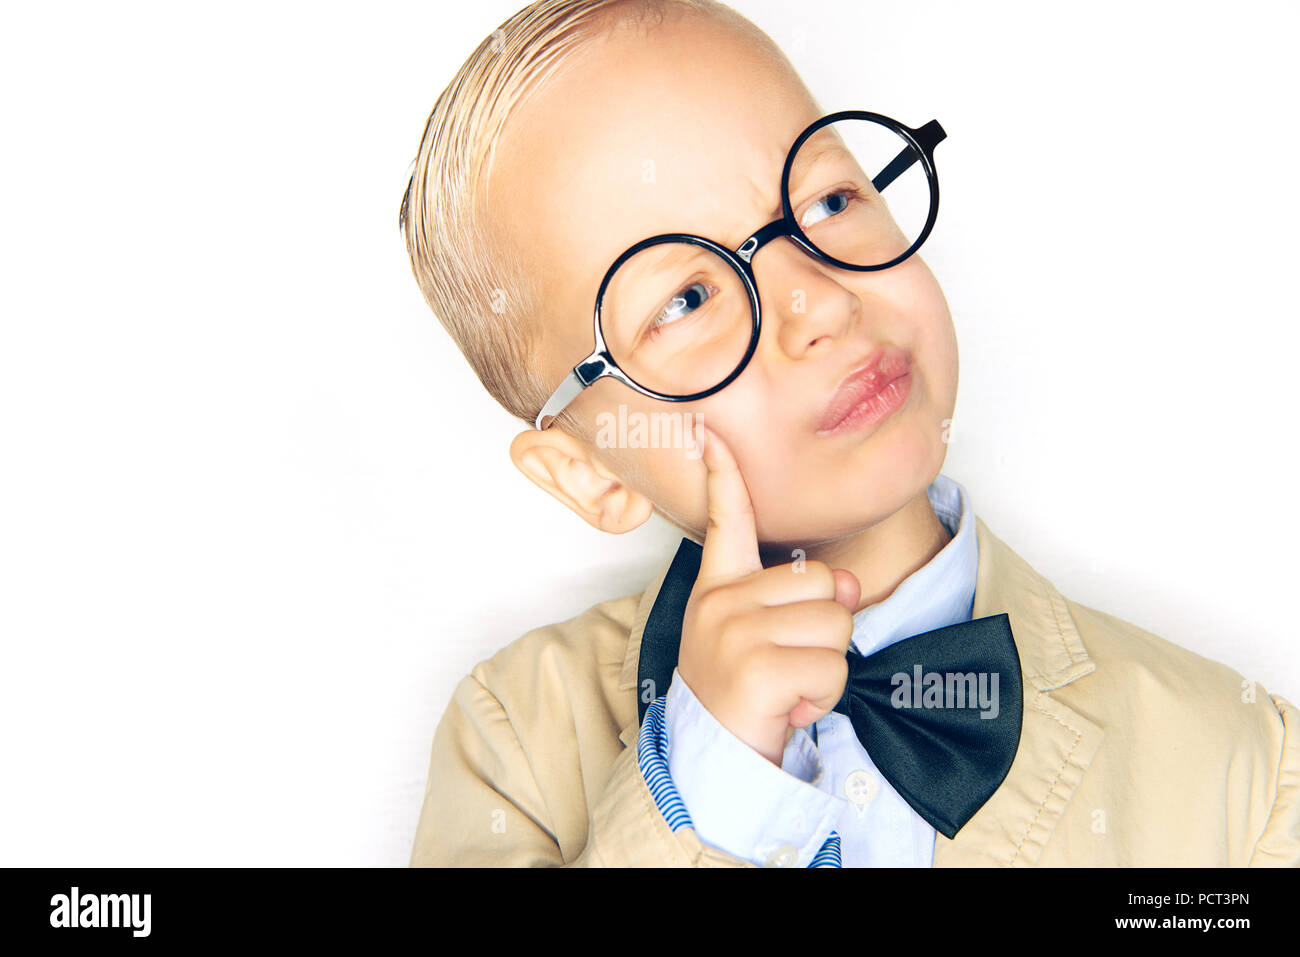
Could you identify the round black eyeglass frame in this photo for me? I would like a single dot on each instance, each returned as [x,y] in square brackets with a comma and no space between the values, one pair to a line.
[600,364]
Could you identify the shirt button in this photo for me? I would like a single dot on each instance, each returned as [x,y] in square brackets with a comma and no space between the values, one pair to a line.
[861,789]
[784,856]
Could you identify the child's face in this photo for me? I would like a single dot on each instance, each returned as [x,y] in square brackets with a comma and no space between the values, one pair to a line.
[712,116]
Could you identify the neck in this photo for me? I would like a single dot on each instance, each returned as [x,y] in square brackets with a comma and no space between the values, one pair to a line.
[886,553]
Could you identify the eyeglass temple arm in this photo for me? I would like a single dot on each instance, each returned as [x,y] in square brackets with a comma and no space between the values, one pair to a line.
[562,396]
[928,136]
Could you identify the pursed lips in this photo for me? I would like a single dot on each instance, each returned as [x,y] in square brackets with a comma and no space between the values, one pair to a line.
[867,380]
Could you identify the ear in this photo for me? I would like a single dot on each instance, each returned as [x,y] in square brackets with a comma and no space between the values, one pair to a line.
[563,466]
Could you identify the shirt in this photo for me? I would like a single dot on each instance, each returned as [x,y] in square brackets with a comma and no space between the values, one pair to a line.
[827,805]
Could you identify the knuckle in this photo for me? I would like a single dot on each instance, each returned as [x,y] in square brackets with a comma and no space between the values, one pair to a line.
[752,674]
[731,633]
[833,616]
[838,671]
[831,664]
[843,626]
[841,668]
[707,606]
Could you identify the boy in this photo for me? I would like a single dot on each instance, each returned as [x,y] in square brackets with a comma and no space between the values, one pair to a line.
[748,709]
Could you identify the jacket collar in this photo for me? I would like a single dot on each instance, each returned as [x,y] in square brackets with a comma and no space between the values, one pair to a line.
[1056,744]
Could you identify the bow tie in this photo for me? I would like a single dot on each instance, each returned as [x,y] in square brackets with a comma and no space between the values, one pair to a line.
[939,713]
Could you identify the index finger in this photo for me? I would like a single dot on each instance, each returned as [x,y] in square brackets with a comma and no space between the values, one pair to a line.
[731,539]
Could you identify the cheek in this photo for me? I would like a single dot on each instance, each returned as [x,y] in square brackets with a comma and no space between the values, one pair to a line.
[931,336]
[749,419]
[768,437]
[941,365]
[649,445]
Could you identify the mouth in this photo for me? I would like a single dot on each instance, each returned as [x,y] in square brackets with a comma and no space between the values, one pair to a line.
[868,394]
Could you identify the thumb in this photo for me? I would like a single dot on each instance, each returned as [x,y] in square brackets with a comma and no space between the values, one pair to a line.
[848,590]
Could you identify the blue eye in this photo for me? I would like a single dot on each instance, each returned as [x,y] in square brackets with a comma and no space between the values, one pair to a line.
[832,203]
[681,305]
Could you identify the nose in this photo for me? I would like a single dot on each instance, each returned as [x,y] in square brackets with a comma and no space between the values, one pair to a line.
[805,306]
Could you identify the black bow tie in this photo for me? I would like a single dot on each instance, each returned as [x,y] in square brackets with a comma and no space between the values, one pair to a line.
[939,712]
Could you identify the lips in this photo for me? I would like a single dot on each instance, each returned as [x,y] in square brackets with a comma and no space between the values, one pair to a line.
[863,383]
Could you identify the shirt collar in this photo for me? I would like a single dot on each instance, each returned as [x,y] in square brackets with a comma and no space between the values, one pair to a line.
[938,594]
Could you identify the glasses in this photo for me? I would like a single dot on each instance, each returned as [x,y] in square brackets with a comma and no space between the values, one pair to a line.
[678,316]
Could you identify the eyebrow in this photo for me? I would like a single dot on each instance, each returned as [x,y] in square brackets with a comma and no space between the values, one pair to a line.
[818,156]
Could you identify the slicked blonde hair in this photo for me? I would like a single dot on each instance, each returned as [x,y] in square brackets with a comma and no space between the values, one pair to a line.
[477,287]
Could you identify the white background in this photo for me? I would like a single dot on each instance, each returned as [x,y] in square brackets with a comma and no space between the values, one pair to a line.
[257,516]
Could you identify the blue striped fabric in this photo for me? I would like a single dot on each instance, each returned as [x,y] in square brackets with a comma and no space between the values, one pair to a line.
[651,755]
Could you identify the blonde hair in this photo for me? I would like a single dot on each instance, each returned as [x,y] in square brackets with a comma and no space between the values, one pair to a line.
[476,286]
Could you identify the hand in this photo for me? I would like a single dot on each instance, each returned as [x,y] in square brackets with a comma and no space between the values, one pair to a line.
[762,649]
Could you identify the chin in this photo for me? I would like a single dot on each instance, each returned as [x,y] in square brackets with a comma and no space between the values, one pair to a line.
[834,505]
[892,474]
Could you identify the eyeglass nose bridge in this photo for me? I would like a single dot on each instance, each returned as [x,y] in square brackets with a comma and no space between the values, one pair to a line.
[773,230]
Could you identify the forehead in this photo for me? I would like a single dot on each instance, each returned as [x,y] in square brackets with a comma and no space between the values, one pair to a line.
[683,127]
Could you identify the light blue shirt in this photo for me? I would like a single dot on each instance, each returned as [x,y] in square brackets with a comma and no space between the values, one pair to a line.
[827,796]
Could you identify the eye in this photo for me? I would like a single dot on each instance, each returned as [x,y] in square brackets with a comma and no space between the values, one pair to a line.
[830,205]
[682,305]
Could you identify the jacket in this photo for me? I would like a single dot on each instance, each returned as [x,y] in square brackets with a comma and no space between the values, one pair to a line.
[1134,752]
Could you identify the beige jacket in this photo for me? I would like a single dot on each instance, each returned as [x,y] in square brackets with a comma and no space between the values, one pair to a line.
[1133,751]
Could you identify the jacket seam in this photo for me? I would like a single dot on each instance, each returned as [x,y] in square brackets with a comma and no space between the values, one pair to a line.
[1078,736]
[1060,631]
